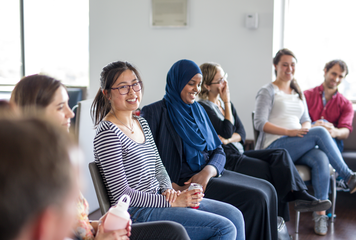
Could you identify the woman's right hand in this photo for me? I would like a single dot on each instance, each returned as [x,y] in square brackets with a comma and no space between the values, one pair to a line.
[112,235]
[297,132]
[187,198]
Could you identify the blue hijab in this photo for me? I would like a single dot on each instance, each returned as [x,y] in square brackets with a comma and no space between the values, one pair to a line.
[189,120]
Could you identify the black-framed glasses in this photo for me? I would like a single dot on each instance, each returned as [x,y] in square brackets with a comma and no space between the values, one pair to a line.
[221,80]
[125,89]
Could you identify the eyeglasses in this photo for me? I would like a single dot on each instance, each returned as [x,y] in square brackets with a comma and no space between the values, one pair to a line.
[123,90]
[221,80]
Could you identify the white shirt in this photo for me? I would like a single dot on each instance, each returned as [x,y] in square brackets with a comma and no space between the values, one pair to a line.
[286,112]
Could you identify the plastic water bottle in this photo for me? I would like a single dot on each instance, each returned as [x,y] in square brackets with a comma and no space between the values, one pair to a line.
[118,216]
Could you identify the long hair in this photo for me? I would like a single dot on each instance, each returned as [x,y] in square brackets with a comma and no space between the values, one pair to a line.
[35,90]
[101,105]
[293,84]
[209,71]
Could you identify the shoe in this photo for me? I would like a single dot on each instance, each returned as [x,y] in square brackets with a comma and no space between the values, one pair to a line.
[321,224]
[341,185]
[310,206]
[352,183]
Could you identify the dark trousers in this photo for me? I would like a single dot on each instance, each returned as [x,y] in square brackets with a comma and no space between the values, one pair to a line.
[255,198]
[166,230]
[275,166]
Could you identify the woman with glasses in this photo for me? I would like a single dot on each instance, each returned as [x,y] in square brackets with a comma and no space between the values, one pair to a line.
[127,157]
[273,165]
[50,95]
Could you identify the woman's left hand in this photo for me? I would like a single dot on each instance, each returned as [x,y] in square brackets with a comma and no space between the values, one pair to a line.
[225,93]
[203,176]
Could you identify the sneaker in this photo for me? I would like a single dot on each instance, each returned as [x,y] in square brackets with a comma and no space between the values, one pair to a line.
[321,224]
[341,185]
[352,183]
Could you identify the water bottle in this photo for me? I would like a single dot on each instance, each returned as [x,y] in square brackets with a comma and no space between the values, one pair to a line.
[118,216]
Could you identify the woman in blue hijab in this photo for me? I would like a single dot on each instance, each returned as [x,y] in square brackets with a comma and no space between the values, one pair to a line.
[191,152]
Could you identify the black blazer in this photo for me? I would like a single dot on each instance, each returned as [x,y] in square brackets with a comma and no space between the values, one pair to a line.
[169,143]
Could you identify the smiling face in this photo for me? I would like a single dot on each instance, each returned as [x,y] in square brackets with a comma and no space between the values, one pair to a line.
[59,109]
[191,89]
[285,68]
[130,101]
[333,77]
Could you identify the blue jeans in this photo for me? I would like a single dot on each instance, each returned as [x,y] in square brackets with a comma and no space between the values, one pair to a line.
[339,143]
[317,136]
[320,173]
[213,219]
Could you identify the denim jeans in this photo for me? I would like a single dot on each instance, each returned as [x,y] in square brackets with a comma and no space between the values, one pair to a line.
[317,136]
[320,172]
[213,219]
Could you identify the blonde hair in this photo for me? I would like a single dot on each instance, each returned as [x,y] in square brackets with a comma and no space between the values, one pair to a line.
[209,71]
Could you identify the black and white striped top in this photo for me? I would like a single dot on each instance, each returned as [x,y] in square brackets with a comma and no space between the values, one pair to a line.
[131,168]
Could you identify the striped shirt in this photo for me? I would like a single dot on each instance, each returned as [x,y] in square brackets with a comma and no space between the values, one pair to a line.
[131,168]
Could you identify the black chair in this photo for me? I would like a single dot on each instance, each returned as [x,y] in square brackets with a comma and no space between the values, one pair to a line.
[305,173]
[100,188]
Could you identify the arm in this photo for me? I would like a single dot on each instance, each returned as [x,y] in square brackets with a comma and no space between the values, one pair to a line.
[108,156]
[214,168]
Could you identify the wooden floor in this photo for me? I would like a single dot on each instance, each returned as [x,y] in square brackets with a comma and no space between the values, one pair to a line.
[345,222]
[344,226]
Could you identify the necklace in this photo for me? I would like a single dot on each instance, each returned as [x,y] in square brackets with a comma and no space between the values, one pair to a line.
[131,129]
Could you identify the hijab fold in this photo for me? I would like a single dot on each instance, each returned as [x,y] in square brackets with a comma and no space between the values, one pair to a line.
[189,120]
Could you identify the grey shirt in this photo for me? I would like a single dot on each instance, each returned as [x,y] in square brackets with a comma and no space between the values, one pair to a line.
[263,108]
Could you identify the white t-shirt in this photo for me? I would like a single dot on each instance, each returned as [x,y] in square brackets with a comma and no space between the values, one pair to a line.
[286,112]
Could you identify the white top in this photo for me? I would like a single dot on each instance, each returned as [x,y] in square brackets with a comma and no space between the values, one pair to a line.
[286,112]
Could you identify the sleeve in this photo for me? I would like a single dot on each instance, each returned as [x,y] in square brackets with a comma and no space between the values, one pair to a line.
[346,117]
[217,159]
[239,127]
[223,128]
[305,117]
[108,156]
[263,108]
[161,173]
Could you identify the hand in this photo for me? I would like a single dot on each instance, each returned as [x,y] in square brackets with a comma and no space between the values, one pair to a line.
[190,198]
[224,140]
[225,92]
[203,176]
[179,188]
[122,234]
[102,221]
[171,195]
[297,132]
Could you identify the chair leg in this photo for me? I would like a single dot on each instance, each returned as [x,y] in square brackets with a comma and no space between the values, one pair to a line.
[297,217]
[333,178]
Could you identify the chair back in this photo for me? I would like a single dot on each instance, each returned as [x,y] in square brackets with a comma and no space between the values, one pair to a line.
[255,131]
[100,188]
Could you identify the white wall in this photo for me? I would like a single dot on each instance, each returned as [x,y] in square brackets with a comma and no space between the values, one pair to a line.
[120,30]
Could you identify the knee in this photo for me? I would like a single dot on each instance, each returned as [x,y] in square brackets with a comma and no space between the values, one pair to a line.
[320,131]
[264,195]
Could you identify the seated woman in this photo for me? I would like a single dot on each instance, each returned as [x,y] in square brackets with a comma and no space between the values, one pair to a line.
[50,96]
[130,164]
[191,152]
[282,118]
[273,165]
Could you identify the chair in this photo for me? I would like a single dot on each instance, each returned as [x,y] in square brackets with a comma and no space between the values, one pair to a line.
[100,188]
[305,173]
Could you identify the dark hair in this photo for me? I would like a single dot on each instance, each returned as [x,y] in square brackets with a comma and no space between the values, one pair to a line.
[110,73]
[35,90]
[341,63]
[35,171]
[7,109]
[209,71]
[293,84]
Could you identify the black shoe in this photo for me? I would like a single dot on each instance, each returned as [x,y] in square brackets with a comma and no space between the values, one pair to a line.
[310,206]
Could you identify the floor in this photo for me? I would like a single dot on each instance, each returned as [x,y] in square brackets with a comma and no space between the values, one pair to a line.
[344,226]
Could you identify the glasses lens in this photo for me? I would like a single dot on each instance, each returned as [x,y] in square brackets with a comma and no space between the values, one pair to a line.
[124,90]
[137,87]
